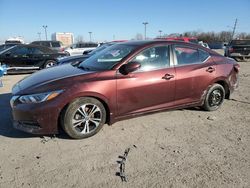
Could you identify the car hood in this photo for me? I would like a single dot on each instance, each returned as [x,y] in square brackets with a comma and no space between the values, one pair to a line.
[47,76]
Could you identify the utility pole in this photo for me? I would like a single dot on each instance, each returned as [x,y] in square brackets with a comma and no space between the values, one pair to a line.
[235,24]
[39,35]
[45,30]
[145,29]
[90,33]
[160,32]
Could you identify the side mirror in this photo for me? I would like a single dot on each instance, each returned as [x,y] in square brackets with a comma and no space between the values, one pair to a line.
[130,67]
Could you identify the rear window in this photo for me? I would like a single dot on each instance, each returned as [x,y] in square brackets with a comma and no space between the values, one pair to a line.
[240,42]
[186,55]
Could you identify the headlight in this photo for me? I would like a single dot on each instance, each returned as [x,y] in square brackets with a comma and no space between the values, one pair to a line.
[40,97]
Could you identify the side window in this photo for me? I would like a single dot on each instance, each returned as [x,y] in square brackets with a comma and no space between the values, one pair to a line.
[153,58]
[203,55]
[47,44]
[35,51]
[55,44]
[186,55]
[21,51]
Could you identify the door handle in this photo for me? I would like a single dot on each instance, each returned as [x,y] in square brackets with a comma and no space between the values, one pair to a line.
[168,76]
[210,69]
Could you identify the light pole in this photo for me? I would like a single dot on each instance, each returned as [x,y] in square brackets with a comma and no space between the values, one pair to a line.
[145,29]
[160,32]
[39,35]
[45,30]
[90,33]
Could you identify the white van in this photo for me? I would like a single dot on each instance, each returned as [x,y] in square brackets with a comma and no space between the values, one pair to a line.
[80,48]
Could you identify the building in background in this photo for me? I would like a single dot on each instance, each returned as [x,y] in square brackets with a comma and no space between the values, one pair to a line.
[66,38]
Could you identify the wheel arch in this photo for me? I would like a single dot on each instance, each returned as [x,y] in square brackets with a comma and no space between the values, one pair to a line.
[103,101]
[225,85]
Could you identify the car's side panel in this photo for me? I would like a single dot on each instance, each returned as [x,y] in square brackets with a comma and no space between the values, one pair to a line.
[144,91]
[192,81]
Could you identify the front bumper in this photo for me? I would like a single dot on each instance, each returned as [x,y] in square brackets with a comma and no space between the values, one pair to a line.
[39,118]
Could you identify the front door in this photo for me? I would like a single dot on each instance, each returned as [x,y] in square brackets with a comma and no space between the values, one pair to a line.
[149,88]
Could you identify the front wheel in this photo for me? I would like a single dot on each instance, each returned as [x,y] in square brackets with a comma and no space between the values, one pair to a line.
[49,63]
[214,98]
[83,118]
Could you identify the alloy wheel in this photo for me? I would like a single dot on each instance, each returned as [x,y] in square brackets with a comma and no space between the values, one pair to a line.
[87,118]
[50,64]
[215,98]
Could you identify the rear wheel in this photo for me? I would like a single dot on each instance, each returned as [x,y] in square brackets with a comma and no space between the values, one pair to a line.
[49,63]
[214,98]
[246,59]
[84,118]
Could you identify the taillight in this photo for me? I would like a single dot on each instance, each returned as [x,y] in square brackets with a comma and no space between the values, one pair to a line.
[62,49]
[231,49]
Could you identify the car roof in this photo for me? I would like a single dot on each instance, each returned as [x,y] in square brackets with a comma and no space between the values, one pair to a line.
[46,41]
[157,41]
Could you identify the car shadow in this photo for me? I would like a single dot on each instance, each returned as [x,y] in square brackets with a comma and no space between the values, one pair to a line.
[6,127]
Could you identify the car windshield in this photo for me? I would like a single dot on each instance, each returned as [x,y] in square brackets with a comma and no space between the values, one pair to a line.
[100,48]
[108,57]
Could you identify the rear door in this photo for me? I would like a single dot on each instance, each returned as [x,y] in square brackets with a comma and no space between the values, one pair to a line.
[36,57]
[149,88]
[195,70]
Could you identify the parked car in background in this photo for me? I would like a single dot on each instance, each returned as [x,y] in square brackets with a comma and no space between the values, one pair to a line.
[6,46]
[56,46]
[204,44]
[14,40]
[239,50]
[87,54]
[218,47]
[122,81]
[28,57]
[80,48]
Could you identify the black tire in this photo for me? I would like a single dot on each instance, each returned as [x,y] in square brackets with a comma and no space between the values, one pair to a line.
[247,59]
[75,112]
[214,98]
[238,59]
[49,63]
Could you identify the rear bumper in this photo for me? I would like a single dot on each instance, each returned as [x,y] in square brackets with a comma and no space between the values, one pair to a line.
[239,55]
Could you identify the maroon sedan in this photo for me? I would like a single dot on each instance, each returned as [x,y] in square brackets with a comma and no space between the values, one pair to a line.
[122,81]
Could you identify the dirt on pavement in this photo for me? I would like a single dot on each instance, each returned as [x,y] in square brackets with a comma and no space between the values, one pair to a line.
[180,148]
